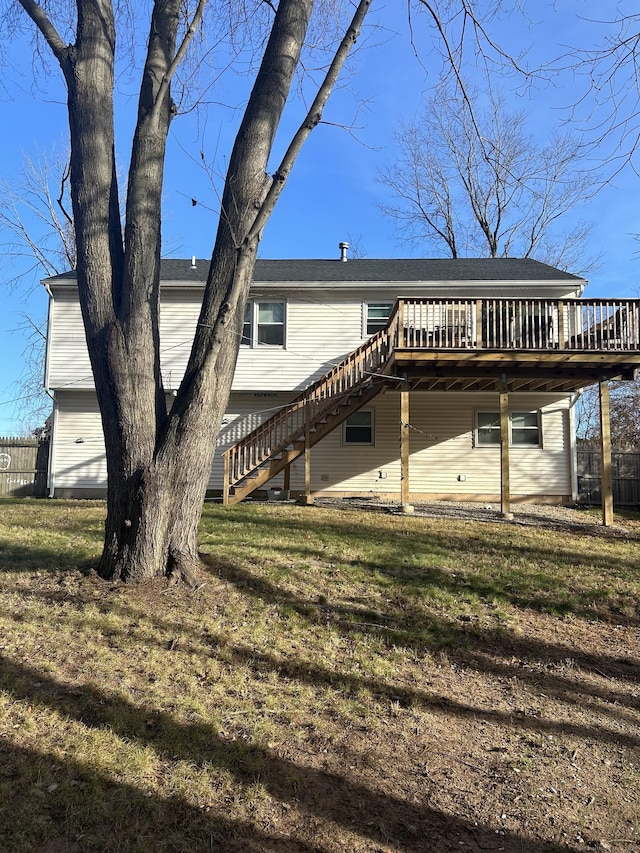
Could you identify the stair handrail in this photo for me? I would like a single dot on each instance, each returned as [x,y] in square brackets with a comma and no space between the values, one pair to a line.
[282,428]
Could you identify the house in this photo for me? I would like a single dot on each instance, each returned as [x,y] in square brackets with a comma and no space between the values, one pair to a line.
[410,379]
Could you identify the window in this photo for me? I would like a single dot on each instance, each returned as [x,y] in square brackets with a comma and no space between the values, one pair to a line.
[248,323]
[524,429]
[376,316]
[487,429]
[358,429]
[264,324]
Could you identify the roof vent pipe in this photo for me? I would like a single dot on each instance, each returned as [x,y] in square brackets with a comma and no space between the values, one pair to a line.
[343,251]
[193,262]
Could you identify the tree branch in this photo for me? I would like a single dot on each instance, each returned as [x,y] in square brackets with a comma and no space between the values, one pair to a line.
[49,32]
[179,56]
[312,119]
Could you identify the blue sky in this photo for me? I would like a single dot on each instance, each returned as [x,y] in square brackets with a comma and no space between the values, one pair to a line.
[333,193]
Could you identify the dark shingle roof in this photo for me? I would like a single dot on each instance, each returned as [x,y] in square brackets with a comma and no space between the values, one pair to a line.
[375,270]
[395,269]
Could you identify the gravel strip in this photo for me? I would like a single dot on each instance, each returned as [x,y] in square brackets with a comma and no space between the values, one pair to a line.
[538,515]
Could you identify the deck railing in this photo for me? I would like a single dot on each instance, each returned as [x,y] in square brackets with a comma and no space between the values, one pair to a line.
[570,324]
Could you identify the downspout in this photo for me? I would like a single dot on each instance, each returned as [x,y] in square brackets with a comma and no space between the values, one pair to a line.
[54,414]
[52,447]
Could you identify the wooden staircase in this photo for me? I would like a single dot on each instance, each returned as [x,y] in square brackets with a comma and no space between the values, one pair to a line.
[317,411]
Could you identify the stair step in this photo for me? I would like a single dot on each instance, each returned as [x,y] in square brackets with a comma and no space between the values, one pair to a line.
[333,407]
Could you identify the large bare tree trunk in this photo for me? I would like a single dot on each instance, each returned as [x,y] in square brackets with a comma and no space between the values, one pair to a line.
[159,460]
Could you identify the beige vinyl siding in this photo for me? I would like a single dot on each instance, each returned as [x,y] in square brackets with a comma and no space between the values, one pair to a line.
[272,368]
[79,458]
[179,311]
[81,464]
[245,412]
[67,357]
[441,445]
[321,328]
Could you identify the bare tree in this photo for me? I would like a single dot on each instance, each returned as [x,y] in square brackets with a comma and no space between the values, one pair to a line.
[35,217]
[158,461]
[37,239]
[624,419]
[471,180]
[609,110]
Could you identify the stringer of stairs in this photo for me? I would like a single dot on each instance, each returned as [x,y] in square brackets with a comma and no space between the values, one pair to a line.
[316,412]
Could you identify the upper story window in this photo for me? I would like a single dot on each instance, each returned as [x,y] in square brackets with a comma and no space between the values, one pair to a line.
[524,429]
[376,315]
[264,324]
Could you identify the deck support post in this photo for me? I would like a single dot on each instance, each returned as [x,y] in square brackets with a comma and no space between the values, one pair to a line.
[405,505]
[225,479]
[505,487]
[307,497]
[605,451]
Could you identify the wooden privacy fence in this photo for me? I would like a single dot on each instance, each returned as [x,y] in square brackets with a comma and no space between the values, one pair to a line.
[625,467]
[23,467]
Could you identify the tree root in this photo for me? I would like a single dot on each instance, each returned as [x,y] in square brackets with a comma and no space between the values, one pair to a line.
[188,571]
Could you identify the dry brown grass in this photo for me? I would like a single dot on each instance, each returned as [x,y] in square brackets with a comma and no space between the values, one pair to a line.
[343,681]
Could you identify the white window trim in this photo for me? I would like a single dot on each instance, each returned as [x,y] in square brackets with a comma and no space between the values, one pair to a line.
[373,430]
[538,428]
[477,444]
[253,305]
[365,313]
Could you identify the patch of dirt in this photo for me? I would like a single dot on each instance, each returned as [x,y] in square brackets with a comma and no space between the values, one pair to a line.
[525,747]
[524,740]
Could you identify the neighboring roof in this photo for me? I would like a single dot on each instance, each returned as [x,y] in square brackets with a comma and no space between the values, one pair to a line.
[374,270]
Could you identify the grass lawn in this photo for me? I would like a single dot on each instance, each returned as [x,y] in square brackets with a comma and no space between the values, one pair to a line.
[343,680]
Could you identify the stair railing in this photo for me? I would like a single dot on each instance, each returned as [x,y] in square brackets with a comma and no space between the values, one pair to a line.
[286,426]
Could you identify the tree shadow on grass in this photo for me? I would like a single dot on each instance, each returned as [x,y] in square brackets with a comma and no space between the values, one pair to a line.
[542,574]
[494,650]
[480,648]
[122,817]
[54,805]
[499,653]
[31,558]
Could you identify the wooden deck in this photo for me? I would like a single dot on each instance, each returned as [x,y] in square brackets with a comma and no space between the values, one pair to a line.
[531,345]
[503,345]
